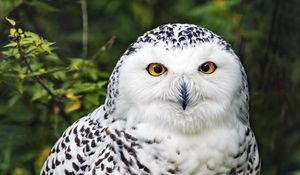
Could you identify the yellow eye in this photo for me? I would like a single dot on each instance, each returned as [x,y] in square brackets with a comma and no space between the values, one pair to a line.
[207,67]
[156,69]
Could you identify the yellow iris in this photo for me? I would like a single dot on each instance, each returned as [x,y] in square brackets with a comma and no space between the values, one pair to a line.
[207,67]
[156,69]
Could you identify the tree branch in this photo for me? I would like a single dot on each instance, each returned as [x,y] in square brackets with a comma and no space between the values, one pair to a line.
[57,99]
[84,28]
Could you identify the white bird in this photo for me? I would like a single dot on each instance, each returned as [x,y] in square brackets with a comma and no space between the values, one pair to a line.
[177,103]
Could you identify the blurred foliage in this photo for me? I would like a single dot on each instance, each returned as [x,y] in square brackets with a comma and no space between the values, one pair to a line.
[44,86]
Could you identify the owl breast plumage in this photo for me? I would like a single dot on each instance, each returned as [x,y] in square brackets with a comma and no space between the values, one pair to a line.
[177,103]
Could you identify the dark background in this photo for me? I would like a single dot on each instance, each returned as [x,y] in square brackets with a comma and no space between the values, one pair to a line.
[264,34]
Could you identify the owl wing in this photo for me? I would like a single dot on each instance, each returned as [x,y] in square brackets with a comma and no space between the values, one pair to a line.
[72,152]
[252,164]
[87,147]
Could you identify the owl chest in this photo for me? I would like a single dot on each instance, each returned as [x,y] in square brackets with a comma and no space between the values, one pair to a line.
[210,153]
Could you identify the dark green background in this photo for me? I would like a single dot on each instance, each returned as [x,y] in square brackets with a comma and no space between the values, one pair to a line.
[264,34]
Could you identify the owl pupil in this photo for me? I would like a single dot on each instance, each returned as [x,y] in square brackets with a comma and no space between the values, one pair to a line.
[205,67]
[157,69]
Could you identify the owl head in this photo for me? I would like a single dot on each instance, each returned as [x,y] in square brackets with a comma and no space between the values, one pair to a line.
[181,77]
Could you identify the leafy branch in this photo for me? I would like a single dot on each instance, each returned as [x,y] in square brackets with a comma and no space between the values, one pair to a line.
[29,56]
[19,39]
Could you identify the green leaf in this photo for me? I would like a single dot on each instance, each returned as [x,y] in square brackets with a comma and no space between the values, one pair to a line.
[20,30]
[12,31]
[13,100]
[60,75]
[72,106]
[90,100]
[45,47]
[84,87]
[11,21]
[93,73]
[13,52]
[19,86]
[54,59]
[34,36]
[26,41]
[38,93]
[101,84]
[11,44]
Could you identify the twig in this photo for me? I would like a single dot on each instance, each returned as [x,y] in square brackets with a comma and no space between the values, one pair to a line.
[84,28]
[56,99]
[104,47]
[65,69]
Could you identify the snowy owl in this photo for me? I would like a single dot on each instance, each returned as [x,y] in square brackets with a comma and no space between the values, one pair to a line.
[177,103]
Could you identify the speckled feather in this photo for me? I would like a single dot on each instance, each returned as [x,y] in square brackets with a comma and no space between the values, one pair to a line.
[106,142]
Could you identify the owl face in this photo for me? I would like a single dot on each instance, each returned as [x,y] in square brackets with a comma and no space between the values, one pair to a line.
[185,89]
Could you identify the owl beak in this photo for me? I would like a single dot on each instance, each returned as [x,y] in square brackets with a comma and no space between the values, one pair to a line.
[183,97]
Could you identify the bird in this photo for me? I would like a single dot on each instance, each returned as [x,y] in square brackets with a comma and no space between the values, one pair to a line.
[177,103]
